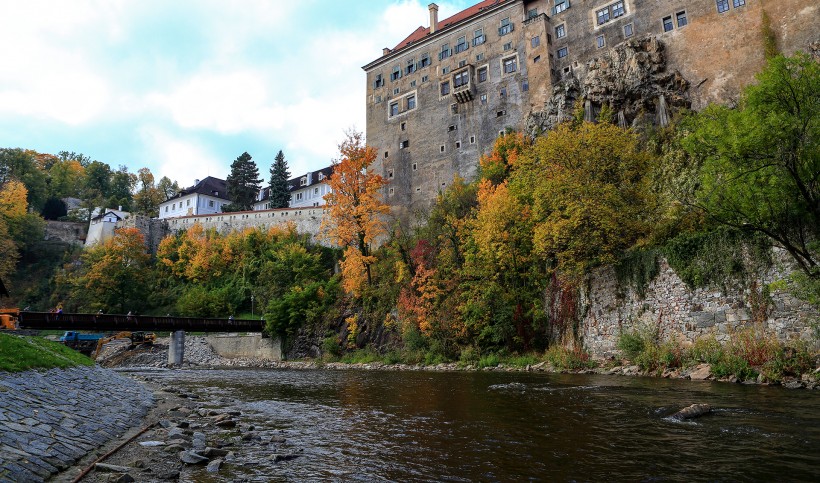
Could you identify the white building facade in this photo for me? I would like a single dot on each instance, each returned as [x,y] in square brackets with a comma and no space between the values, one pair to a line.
[205,197]
[306,191]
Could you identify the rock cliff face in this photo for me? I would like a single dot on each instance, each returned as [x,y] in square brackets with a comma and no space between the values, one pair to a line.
[632,79]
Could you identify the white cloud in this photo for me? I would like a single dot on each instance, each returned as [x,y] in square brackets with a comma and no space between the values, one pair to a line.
[180,159]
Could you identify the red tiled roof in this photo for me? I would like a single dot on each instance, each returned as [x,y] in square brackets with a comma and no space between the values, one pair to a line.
[422,32]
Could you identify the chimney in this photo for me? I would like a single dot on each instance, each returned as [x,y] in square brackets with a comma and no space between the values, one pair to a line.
[119,208]
[196,182]
[385,51]
[433,17]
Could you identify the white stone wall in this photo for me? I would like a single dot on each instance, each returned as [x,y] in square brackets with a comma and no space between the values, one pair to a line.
[307,220]
[679,312]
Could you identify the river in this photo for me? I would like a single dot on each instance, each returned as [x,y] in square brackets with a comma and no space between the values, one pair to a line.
[492,426]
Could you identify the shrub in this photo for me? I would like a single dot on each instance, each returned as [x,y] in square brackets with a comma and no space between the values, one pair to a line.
[706,349]
[331,346]
[632,344]
[469,355]
[490,360]
[569,359]
[788,361]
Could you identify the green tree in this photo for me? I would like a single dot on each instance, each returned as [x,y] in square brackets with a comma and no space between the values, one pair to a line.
[279,175]
[20,165]
[122,188]
[167,188]
[148,196]
[243,183]
[761,161]
[97,186]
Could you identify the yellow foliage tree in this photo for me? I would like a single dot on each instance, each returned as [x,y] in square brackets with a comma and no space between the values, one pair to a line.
[355,210]
[13,207]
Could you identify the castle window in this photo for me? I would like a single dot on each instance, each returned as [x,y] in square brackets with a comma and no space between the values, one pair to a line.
[478,37]
[377,100]
[441,148]
[472,139]
[394,109]
[535,41]
[510,65]
[600,41]
[462,63]
[667,24]
[403,126]
[187,202]
[411,66]
[462,44]
[411,103]
[404,144]
[722,6]
[532,13]
[425,60]
[396,91]
[503,92]
[390,173]
[479,57]
[454,108]
[508,46]
[445,88]
[525,86]
[391,191]
[563,52]
[628,30]
[681,19]
[425,79]
[412,83]
[603,16]
[560,6]
[561,31]
[379,82]
[482,74]
[396,74]
[166,207]
[461,79]
[738,3]
[386,154]
[483,98]
[445,70]
[618,9]
[415,166]
[536,59]
[506,27]
[458,144]
[446,51]
[451,128]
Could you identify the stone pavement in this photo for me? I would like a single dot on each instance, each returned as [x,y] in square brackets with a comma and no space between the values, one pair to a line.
[50,419]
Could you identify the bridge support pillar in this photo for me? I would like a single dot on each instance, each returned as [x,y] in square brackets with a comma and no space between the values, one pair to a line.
[176,348]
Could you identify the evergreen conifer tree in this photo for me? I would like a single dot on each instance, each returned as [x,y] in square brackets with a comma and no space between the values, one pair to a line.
[279,174]
[243,183]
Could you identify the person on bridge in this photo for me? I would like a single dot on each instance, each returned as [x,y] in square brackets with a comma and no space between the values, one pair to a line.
[230,317]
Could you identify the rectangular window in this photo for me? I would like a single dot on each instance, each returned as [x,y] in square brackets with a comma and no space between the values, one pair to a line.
[446,51]
[681,18]
[403,125]
[506,27]
[174,206]
[404,144]
[379,82]
[603,16]
[445,70]
[618,9]
[425,60]
[377,100]
[315,191]
[610,12]
[472,139]
[560,31]
[482,74]
[461,79]
[396,91]
[394,109]
[187,202]
[396,74]
[478,37]
[563,52]
[166,208]
[425,78]
[667,24]
[390,173]
[411,102]
[738,3]
[483,98]
[535,41]
[600,41]
[445,88]
[510,65]
[411,66]
[412,83]
[525,86]
[461,44]
[722,6]
[508,46]
[441,148]
[560,6]
[479,57]
[628,30]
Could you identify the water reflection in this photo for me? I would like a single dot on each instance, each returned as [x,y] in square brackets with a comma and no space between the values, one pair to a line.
[419,426]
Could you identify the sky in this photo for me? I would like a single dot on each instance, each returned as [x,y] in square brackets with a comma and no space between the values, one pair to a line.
[184,87]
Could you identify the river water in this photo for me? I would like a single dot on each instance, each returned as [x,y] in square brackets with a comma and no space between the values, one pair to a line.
[492,426]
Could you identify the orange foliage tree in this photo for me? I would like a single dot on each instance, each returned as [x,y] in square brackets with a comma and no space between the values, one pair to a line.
[355,210]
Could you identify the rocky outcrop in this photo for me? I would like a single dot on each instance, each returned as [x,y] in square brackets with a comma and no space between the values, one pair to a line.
[631,79]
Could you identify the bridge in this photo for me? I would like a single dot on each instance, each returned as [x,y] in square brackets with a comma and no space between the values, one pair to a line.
[119,323]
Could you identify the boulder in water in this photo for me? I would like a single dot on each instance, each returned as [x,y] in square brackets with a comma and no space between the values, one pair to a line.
[693,411]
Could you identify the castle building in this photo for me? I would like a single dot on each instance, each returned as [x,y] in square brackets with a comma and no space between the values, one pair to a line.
[308,190]
[206,196]
[439,99]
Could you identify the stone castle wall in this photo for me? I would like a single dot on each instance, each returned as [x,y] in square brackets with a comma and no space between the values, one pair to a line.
[684,314]
[66,232]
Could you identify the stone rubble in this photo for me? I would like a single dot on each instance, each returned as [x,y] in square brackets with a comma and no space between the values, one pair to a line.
[50,419]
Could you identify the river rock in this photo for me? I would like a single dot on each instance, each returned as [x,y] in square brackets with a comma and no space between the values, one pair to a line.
[214,466]
[104,468]
[284,457]
[792,384]
[693,411]
[228,423]
[701,372]
[126,478]
[150,444]
[214,452]
[191,458]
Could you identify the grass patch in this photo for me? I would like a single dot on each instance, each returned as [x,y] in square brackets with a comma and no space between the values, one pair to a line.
[569,359]
[19,354]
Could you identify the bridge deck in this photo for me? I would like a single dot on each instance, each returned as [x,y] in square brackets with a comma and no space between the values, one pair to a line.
[115,322]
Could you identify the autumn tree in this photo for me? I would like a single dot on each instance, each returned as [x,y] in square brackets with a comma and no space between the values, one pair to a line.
[21,165]
[279,175]
[355,210]
[113,275]
[761,167]
[243,183]
[148,196]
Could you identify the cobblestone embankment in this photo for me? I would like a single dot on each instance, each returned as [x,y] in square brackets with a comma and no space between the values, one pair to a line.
[50,419]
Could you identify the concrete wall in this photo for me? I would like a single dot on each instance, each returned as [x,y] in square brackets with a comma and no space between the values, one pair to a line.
[248,346]
[683,314]
[67,232]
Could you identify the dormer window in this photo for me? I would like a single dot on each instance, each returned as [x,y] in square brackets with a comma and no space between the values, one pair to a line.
[303,181]
[321,176]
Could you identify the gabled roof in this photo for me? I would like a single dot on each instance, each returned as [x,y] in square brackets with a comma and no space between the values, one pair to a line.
[210,186]
[422,32]
[294,183]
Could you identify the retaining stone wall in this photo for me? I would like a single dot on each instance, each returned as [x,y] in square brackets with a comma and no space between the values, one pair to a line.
[685,314]
[247,346]
[50,419]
